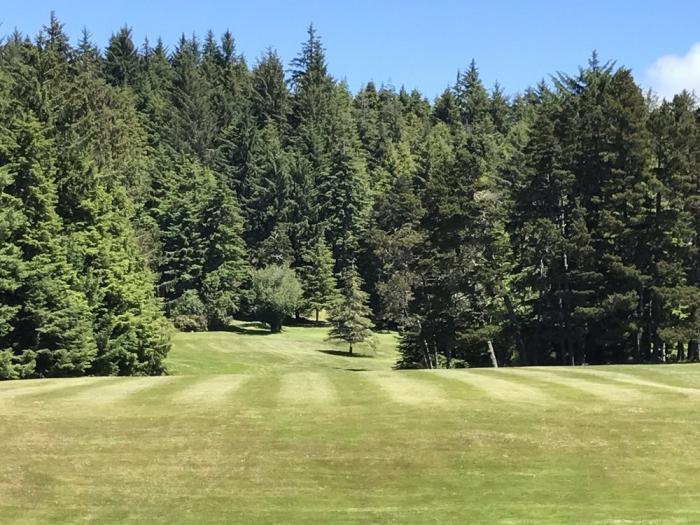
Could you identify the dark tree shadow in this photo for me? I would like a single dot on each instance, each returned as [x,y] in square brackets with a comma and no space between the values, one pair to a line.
[249,329]
[342,353]
[303,321]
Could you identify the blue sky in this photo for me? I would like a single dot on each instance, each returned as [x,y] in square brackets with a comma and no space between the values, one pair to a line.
[412,43]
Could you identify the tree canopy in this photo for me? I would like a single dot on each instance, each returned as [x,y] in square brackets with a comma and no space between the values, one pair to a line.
[144,187]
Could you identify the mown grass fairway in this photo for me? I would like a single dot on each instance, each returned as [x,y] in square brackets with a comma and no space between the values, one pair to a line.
[262,428]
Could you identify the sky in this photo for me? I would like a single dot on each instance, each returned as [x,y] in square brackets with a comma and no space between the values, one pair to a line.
[416,44]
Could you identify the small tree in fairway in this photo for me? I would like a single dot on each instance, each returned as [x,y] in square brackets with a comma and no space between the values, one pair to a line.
[350,316]
[276,294]
[317,278]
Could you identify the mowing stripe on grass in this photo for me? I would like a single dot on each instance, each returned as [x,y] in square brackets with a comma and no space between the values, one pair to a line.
[602,390]
[633,380]
[493,383]
[118,389]
[213,390]
[42,386]
[407,388]
[301,388]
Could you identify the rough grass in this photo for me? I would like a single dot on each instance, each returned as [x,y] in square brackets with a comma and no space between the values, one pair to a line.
[283,428]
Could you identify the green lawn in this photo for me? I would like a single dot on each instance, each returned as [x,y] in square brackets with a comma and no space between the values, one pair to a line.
[258,428]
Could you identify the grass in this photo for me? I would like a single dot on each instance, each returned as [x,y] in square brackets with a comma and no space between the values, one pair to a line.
[283,428]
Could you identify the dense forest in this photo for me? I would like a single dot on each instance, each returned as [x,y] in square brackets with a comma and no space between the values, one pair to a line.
[144,189]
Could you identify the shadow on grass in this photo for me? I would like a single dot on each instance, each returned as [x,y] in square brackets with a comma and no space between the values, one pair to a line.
[249,329]
[259,328]
[343,353]
[304,322]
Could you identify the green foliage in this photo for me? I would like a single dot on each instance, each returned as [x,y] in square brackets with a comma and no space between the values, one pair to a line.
[121,59]
[202,248]
[46,318]
[188,312]
[558,226]
[317,278]
[276,294]
[349,319]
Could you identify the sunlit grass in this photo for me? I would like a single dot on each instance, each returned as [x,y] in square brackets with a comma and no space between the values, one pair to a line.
[283,428]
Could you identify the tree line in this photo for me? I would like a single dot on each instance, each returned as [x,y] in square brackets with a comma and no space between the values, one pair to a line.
[143,188]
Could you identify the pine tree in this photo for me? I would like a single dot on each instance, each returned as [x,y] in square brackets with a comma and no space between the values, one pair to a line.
[394,239]
[546,220]
[610,161]
[225,268]
[192,121]
[132,335]
[350,317]
[472,98]
[12,221]
[121,59]
[343,194]
[46,316]
[179,212]
[153,90]
[269,96]
[673,236]
[317,278]
[268,185]
[456,307]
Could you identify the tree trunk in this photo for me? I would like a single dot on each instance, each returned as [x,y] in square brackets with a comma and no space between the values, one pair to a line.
[427,354]
[638,347]
[680,352]
[693,350]
[350,351]
[519,341]
[316,315]
[492,354]
[276,326]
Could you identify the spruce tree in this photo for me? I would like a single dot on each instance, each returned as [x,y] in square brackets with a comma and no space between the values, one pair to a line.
[268,186]
[343,194]
[394,239]
[192,123]
[350,317]
[46,317]
[225,269]
[121,59]
[317,278]
[673,227]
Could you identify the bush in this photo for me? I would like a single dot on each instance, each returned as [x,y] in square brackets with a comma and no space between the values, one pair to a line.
[276,294]
[188,312]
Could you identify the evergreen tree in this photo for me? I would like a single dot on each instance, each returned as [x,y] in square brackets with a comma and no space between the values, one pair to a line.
[675,313]
[350,316]
[395,239]
[343,194]
[269,96]
[192,123]
[225,268]
[317,278]
[610,163]
[268,186]
[46,318]
[179,213]
[121,59]
[471,97]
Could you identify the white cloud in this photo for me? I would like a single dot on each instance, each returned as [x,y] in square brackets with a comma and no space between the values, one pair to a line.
[671,74]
